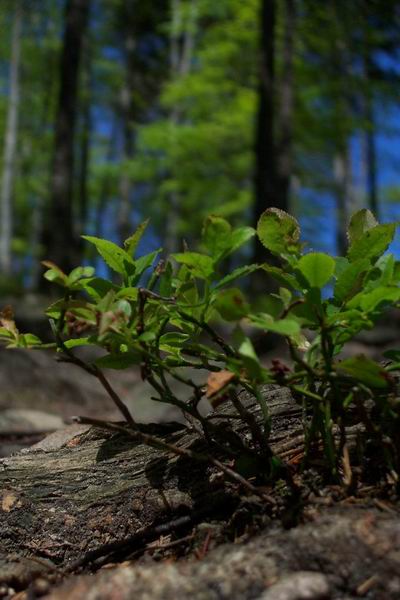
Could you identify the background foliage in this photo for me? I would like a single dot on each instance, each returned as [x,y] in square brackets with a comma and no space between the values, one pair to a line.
[179,107]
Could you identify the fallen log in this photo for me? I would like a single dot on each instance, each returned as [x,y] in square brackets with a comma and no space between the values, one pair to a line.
[83,487]
[84,496]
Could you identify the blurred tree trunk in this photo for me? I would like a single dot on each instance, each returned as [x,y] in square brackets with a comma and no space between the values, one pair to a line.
[59,239]
[341,67]
[343,194]
[265,160]
[370,142]
[106,182]
[181,57]
[10,145]
[124,221]
[84,149]
[285,109]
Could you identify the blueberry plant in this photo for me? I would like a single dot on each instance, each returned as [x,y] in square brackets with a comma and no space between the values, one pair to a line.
[171,325]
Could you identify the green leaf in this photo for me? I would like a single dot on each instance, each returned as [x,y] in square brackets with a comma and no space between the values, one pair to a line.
[239,237]
[282,326]
[54,273]
[282,276]
[147,336]
[30,340]
[131,243]
[201,266]
[360,222]
[236,273]
[350,281]
[97,287]
[145,262]
[123,307]
[279,232]
[372,243]
[83,341]
[341,264]
[119,361]
[250,358]
[317,268]
[5,333]
[393,355]
[79,273]
[371,300]
[128,292]
[364,370]
[166,286]
[173,339]
[231,304]
[114,256]
[216,235]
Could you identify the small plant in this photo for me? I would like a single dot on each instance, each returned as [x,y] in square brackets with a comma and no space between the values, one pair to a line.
[170,326]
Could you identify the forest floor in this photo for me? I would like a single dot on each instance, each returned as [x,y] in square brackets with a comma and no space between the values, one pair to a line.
[191,536]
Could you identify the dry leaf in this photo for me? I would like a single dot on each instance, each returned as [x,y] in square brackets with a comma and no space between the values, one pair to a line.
[8,501]
[7,319]
[217,381]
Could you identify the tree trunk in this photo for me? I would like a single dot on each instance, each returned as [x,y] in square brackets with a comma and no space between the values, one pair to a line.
[180,66]
[128,115]
[343,193]
[285,109]
[60,242]
[370,143]
[265,160]
[85,138]
[10,146]
[341,66]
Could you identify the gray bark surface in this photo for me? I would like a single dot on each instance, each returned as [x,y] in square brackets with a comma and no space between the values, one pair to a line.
[79,489]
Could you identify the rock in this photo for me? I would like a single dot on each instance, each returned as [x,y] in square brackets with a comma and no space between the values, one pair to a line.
[19,421]
[304,585]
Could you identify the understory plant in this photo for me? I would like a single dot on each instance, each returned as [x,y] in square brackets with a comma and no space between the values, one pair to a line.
[171,316]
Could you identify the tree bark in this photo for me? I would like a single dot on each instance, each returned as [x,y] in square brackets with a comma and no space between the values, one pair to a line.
[370,142]
[60,242]
[285,108]
[265,160]
[342,176]
[10,145]
[85,139]
[85,480]
[124,218]
[180,66]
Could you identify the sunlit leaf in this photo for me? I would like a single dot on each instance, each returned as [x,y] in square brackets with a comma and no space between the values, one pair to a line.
[282,326]
[132,242]
[317,268]
[279,232]
[351,279]
[216,235]
[201,266]
[360,222]
[114,256]
[236,274]
[372,243]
